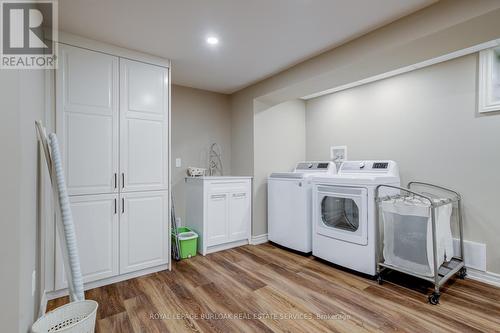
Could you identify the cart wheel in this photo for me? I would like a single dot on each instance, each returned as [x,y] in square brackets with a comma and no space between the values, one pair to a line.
[380,280]
[434,298]
[462,273]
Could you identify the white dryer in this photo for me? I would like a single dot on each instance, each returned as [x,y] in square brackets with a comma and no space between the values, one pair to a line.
[289,204]
[344,221]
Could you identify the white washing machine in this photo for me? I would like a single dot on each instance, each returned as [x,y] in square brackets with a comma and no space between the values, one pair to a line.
[289,204]
[344,221]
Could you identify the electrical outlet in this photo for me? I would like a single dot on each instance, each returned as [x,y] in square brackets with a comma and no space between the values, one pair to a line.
[178,162]
[33,283]
[178,221]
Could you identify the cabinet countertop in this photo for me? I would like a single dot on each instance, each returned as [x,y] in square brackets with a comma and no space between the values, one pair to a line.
[218,178]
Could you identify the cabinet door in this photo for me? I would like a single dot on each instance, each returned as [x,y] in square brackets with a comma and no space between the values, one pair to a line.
[217,218]
[87,119]
[96,226]
[239,215]
[143,230]
[143,126]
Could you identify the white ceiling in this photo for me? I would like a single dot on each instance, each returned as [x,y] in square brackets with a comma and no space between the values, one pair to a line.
[258,38]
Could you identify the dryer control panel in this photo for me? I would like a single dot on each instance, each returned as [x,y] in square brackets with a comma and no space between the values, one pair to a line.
[368,167]
[380,165]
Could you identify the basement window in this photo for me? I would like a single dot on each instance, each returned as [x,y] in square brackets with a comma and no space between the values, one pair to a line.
[489,80]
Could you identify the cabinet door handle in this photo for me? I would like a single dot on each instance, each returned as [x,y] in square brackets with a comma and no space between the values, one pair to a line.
[123,179]
[123,205]
[218,196]
[116,180]
[115,206]
[239,195]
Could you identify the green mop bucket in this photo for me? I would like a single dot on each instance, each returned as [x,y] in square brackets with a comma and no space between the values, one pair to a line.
[188,242]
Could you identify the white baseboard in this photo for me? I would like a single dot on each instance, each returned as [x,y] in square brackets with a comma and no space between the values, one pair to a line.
[260,239]
[485,277]
[226,246]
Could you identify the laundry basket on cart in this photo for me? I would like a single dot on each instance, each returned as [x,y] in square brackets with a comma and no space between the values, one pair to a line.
[408,234]
[416,234]
[75,317]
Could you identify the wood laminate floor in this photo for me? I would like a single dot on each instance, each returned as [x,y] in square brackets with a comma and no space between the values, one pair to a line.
[267,289]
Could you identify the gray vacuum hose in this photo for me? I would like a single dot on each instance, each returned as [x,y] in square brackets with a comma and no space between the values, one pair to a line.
[67,228]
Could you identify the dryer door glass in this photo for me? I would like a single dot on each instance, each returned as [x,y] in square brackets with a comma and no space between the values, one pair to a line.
[340,213]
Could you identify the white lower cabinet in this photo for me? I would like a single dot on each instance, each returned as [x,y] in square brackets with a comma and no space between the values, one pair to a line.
[239,214]
[117,234]
[96,227]
[219,210]
[217,218]
[143,230]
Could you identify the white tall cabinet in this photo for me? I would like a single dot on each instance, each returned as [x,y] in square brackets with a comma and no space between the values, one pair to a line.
[87,119]
[112,120]
[143,126]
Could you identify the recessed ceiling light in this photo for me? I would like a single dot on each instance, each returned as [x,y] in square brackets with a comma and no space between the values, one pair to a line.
[212,40]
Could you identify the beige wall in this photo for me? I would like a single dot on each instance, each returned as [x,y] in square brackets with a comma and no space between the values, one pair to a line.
[199,118]
[427,121]
[9,202]
[279,141]
[32,108]
[447,26]
[21,103]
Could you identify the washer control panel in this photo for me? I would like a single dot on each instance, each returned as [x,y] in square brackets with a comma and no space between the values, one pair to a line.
[322,166]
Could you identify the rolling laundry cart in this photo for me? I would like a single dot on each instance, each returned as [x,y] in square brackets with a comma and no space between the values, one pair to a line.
[414,230]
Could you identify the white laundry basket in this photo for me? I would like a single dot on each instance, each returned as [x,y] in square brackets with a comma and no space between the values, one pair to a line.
[76,317]
[408,235]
